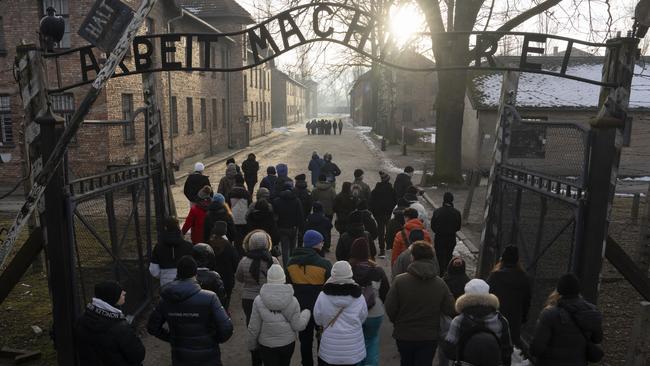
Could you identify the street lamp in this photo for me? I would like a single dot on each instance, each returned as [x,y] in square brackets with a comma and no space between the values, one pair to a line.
[52,29]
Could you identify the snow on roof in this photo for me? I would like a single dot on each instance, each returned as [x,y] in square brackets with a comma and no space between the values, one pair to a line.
[546,91]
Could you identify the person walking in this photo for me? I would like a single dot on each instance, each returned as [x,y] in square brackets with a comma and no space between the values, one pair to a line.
[321,223]
[403,181]
[196,321]
[412,222]
[238,200]
[355,231]
[405,259]
[195,182]
[288,211]
[340,126]
[308,271]
[416,318]
[341,310]
[250,166]
[252,273]
[102,332]
[303,194]
[456,277]
[268,182]
[261,217]
[374,284]
[369,223]
[219,211]
[569,329]
[411,197]
[510,283]
[228,181]
[360,190]
[282,181]
[195,219]
[275,319]
[396,223]
[479,335]
[207,278]
[325,194]
[344,204]
[315,164]
[445,223]
[226,258]
[330,170]
[382,202]
[170,248]
[232,161]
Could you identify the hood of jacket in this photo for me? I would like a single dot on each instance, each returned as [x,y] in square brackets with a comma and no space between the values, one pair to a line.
[180,290]
[100,319]
[275,296]
[301,185]
[456,271]
[365,273]
[423,269]
[477,304]
[342,295]
[287,194]
[302,256]
[172,238]
[282,170]
[216,207]
[231,171]
[323,186]
[414,224]
[356,229]
[585,313]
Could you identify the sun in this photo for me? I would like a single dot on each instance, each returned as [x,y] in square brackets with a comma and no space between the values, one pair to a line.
[404,22]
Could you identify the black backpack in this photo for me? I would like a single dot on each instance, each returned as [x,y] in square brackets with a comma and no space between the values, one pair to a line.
[466,336]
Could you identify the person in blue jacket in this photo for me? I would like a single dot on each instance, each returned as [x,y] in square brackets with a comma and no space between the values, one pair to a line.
[314,167]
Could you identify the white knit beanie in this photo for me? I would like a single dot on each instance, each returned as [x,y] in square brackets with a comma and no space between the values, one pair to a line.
[477,287]
[275,275]
[341,273]
[199,167]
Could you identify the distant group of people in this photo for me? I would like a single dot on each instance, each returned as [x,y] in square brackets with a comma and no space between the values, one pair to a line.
[274,247]
[324,127]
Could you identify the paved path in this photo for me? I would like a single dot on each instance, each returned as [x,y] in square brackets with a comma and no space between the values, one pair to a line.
[295,149]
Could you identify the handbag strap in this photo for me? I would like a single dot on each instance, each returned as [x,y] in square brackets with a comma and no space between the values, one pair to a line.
[331,322]
[575,321]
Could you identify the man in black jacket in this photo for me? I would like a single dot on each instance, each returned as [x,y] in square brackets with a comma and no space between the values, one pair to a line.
[445,222]
[288,210]
[382,202]
[103,335]
[207,278]
[197,321]
[250,166]
[403,182]
[356,229]
[195,182]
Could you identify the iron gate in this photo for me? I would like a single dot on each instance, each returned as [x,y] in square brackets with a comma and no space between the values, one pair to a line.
[111,220]
[540,193]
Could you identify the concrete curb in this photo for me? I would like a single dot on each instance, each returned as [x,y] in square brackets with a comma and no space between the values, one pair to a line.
[459,235]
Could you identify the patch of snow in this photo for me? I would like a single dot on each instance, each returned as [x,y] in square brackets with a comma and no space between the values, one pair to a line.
[538,90]
[637,179]
[282,130]
[387,165]
[425,129]
[363,128]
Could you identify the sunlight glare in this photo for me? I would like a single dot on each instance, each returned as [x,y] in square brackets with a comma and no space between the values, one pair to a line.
[404,22]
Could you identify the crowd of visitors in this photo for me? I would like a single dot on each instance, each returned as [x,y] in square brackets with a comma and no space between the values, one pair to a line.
[324,127]
[274,248]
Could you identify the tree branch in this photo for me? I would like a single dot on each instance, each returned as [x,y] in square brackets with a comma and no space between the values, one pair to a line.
[519,19]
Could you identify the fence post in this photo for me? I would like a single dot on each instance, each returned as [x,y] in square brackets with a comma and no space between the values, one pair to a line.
[639,349]
[605,157]
[643,259]
[635,208]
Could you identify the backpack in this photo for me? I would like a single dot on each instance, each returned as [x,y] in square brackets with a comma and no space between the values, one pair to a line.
[368,291]
[466,336]
[239,211]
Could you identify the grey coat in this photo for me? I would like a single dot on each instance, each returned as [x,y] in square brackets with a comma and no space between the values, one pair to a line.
[251,288]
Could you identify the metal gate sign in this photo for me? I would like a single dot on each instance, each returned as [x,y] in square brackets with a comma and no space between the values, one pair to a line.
[105,23]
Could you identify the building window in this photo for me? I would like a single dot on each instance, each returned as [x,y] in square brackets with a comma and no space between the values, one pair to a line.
[3,46]
[127,114]
[204,117]
[6,131]
[63,105]
[174,116]
[245,89]
[215,120]
[190,116]
[223,113]
[62,9]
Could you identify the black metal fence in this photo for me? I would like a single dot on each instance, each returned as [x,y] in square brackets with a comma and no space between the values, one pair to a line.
[111,218]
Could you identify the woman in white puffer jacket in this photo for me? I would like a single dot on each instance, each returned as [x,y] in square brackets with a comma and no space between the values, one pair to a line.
[341,311]
[275,319]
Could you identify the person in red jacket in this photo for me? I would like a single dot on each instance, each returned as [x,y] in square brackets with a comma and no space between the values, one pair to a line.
[411,222]
[196,218]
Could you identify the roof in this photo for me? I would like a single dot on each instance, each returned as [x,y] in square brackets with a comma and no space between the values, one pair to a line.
[362,78]
[217,9]
[286,76]
[546,91]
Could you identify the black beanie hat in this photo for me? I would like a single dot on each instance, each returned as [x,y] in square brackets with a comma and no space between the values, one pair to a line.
[108,291]
[270,170]
[448,197]
[568,285]
[300,177]
[358,173]
[510,255]
[186,267]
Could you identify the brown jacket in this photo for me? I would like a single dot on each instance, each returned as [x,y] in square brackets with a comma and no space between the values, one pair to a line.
[415,302]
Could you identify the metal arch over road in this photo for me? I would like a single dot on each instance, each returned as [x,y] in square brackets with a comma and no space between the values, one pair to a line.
[151,53]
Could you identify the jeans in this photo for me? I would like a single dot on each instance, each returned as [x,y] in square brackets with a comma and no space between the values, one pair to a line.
[382,221]
[371,337]
[306,341]
[287,242]
[247,305]
[277,356]
[416,353]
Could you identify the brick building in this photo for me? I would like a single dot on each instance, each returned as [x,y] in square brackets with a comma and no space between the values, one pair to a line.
[202,112]
[288,104]
[414,98]
[257,98]
[311,98]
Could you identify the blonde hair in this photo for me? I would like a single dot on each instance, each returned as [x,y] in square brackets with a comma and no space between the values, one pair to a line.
[552,299]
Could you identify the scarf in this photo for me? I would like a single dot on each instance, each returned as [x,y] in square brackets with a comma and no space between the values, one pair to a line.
[257,256]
